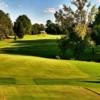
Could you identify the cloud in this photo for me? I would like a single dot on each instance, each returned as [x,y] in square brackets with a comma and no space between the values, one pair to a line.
[3,5]
[98,1]
[50,10]
[61,6]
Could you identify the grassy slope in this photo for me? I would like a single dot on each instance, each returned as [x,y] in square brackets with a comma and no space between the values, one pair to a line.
[35,78]
[40,78]
[37,45]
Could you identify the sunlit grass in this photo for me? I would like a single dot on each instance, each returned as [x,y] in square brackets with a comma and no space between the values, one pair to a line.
[41,78]
[35,78]
[41,36]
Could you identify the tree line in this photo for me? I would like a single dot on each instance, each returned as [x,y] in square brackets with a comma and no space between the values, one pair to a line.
[82,28]
[64,23]
[19,28]
[23,26]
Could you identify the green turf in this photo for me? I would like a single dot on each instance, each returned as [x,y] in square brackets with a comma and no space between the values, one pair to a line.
[26,77]
[37,45]
[43,46]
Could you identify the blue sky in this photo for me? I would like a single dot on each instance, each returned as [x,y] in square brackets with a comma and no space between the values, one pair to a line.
[37,10]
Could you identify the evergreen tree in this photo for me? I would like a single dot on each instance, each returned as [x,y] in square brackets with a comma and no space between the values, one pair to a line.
[23,22]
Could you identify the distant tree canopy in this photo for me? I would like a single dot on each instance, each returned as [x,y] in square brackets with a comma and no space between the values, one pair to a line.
[54,28]
[22,26]
[50,27]
[6,27]
[37,28]
[96,28]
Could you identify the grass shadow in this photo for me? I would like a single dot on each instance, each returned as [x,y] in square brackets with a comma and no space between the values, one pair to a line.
[81,82]
[42,81]
[42,48]
[7,81]
[92,81]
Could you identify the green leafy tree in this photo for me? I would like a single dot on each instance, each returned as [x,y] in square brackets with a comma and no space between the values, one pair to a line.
[6,27]
[50,27]
[96,28]
[19,29]
[37,28]
[24,23]
[76,22]
[54,28]
[42,27]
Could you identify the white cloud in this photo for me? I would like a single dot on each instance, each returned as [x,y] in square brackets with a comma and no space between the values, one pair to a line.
[50,10]
[3,5]
[61,6]
[98,1]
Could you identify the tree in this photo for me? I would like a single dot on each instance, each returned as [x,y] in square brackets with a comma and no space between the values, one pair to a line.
[24,23]
[54,28]
[97,18]
[50,27]
[6,27]
[76,22]
[81,30]
[96,28]
[92,15]
[42,27]
[19,29]
[37,28]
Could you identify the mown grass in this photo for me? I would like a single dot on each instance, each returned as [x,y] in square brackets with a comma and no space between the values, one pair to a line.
[34,78]
[37,45]
[44,46]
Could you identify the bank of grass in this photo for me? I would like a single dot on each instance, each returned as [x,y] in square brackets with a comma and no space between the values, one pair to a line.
[26,77]
[35,78]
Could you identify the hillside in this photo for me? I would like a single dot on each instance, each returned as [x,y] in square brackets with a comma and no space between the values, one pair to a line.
[24,76]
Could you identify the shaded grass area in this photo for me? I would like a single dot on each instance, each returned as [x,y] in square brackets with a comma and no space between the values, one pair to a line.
[29,81]
[43,48]
[88,55]
[7,81]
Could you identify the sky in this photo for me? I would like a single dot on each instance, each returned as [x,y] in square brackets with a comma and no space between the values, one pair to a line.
[39,11]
